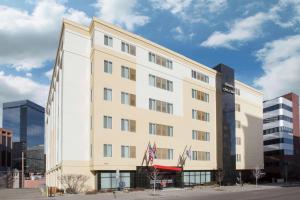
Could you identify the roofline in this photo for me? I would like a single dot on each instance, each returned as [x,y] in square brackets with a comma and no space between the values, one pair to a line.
[250,87]
[281,96]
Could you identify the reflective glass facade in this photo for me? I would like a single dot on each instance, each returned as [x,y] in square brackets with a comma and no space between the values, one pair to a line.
[26,120]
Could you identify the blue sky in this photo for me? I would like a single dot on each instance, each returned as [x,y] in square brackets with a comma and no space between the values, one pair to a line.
[259,39]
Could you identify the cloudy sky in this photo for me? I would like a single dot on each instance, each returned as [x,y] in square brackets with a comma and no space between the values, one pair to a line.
[259,39]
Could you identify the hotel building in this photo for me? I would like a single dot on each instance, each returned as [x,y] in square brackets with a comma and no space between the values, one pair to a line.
[114,92]
[281,137]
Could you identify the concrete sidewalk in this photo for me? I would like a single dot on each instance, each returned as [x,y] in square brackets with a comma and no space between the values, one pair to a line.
[171,193]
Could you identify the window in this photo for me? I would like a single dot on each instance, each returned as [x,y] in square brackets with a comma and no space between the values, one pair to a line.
[200,155]
[160,106]
[200,115]
[237,107]
[107,150]
[164,153]
[108,67]
[107,122]
[128,99]
[160,83]
[238,124]
[128,151]
[107,94]
[160,129]
[91,95]
[108,41]
[200,76]
[151,57]
[128,48]
[128,73]
[277,118]
[200,135]
[278,129]
[238,157]
[278,106]
[128,125]
[200,95]
[237,91]
[160,60]
[238,141]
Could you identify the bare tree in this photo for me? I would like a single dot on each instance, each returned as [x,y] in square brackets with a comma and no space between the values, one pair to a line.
[153,174]
[74,183]
[257,173]
[220,176]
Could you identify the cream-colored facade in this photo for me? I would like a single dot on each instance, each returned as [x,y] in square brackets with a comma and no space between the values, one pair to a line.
[87,112]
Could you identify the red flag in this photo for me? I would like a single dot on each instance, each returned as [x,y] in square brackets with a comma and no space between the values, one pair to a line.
[154,150]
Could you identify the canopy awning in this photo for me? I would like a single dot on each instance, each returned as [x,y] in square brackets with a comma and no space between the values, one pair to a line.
[170,168]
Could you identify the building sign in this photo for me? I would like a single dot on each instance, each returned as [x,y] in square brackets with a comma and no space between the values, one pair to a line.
[228,88]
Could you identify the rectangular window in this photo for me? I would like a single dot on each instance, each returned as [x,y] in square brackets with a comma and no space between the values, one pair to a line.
[128,48]
[200,155]
[107,150]
[128,125]
[125,72]
[108,41]
[160,83]
[200,115]
[237,91]
[128,151]
[238,157]
[202,96]
[200,135]
[160,129]
[128,99]
[108,67]
[128,73]
[237,107]
[164,153]
[107,122]
[160,60]
[200,76]
[238,141]
[107,94]
[160,106]
[238,124]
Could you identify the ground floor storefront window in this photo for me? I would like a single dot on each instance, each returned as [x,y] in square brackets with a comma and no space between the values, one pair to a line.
[191,178]
[111,180]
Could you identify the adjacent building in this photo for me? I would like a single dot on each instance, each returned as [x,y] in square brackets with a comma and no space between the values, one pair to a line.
[113,93]
[281,137]
[26,120]
[5,149]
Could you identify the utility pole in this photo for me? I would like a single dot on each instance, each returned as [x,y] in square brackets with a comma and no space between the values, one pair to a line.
[22,184]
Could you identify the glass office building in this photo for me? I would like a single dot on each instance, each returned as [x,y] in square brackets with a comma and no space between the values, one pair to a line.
[26,120]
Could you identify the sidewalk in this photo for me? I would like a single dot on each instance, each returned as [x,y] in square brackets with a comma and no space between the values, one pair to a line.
[172,193]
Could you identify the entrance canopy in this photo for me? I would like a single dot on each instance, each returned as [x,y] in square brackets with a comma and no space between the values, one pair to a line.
[170,168]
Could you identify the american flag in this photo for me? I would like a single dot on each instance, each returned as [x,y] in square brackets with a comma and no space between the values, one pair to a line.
[151,153]
[154,150]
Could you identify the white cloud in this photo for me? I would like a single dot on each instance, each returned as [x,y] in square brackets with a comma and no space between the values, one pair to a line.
[122,13]
[241,31]
[48,74]
[191,11]
[293,8]
[181,35]
[281,64]
[14,88]
[28,74]
[28,39]
[249,28]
